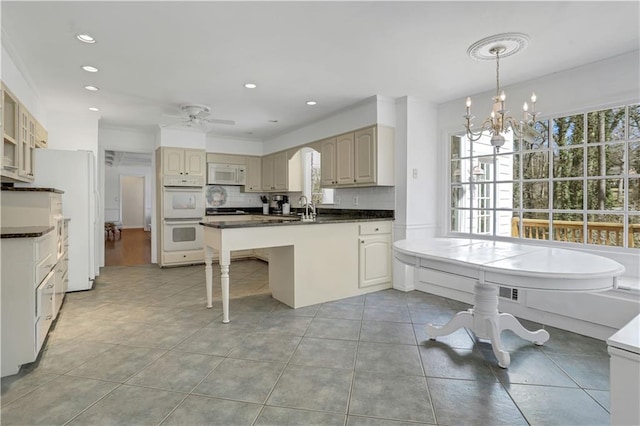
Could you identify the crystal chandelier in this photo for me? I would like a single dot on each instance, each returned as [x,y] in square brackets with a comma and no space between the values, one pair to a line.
[498,123]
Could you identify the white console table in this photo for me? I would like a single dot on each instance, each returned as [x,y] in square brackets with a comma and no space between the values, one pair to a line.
[492,264]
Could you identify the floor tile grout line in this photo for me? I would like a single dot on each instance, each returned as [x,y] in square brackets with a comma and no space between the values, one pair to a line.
[94,403]
[289,362]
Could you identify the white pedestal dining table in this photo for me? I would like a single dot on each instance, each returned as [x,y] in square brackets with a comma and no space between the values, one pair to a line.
[492,264]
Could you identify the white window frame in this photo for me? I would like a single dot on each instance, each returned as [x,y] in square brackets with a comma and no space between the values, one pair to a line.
[625,214]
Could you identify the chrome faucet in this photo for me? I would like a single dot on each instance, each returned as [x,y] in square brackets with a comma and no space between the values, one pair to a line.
[307,205]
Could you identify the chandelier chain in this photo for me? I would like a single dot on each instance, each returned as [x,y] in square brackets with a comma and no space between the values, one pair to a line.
[497,72]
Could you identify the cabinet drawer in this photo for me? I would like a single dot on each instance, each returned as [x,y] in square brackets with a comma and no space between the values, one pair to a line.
[44,247]
[45,300]
[373,228]
[183,257]
[44,267]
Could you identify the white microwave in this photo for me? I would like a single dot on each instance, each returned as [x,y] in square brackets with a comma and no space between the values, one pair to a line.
[225,174]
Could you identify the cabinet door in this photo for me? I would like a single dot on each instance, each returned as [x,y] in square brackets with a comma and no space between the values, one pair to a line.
[267,173]
[25,161]
[328,162]
[41,136]
[173,161]
[365,156]
[194,162]
[11,131]
[254,175]
[281,171]
[344,159]
[375,260]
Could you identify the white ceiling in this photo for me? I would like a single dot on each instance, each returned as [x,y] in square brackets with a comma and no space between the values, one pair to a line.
[155,56]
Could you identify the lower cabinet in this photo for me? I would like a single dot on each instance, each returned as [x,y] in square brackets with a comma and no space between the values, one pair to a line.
[374,254]
[32,289]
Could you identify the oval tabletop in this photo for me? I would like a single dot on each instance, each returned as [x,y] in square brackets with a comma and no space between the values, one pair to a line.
[515,264]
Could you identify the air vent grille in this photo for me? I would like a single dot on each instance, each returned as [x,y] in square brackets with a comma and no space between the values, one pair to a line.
[509,293]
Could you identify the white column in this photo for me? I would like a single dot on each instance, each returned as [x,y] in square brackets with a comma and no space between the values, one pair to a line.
[417,153]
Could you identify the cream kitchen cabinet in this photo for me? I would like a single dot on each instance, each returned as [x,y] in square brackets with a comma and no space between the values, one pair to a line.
[183,162]
[26,144]
[10,130]
[240,160]
[42,136]
[267,173]
[21,132]
[345,173]
[364,157]
[253,181]
[280,172]
[29,302]
[374,255]
[328,173]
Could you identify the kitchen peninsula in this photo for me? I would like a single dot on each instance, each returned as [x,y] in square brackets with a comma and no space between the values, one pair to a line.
[334,257]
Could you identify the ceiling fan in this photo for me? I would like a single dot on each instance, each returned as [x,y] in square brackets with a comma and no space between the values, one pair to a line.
[196,116]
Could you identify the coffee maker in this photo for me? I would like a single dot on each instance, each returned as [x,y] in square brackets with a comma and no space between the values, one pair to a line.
[276,204]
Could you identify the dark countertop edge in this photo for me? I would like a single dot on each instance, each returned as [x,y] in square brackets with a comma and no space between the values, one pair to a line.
[30,189]
[295,210]
[25,231]
[320,221]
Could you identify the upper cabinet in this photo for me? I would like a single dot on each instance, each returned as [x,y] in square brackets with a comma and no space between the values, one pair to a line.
[281,172]
[26,144]
[19,140]
[361,158]
[42,136]
[21,133]
[183,162]
[328,173]
[253,181]
[10,130]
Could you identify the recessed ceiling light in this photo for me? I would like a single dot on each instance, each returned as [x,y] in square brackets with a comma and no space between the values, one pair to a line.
[94,109]
[85,38]
[311,102]
[92,88]
[250,85]
[89,68]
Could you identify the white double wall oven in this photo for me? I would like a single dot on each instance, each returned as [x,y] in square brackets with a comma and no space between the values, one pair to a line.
[183,209]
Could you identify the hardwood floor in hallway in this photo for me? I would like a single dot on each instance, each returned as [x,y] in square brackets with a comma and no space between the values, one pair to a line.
[131,247]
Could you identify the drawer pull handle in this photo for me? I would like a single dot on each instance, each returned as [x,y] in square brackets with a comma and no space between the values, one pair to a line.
[377,229]
[48,317]
[50,286]
[361,242]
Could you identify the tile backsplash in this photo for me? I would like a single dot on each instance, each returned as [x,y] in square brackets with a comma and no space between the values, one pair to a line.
[230,196]
[372,198]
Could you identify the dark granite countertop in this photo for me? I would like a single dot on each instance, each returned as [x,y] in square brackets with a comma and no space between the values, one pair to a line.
[24,231]
[325,216]
[30,189]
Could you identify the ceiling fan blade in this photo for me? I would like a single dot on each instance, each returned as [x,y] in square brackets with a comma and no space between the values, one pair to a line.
[218,121]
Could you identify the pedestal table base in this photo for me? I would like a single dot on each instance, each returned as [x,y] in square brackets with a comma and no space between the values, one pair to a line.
[487,323]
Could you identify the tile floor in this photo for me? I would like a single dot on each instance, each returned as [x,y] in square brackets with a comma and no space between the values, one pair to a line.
[141,348]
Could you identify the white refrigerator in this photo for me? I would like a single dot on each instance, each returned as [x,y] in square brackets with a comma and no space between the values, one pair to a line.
[74,172]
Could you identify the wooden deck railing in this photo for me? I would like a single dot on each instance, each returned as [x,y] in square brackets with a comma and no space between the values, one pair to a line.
[602,233]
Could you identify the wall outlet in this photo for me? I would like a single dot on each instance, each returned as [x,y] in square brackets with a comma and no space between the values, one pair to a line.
[355,200]
[415,173]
